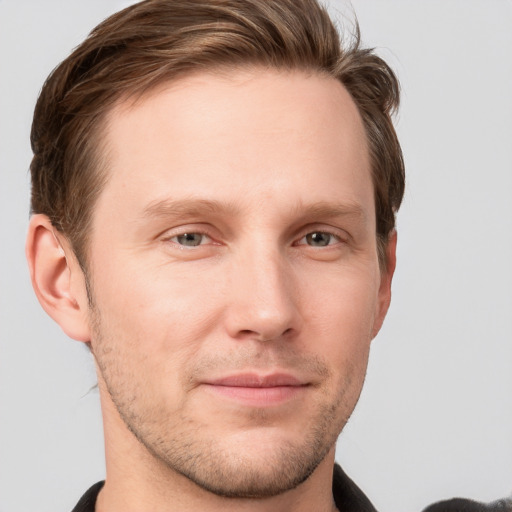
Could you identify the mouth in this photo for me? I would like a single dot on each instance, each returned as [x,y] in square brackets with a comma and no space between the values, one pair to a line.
[257,390]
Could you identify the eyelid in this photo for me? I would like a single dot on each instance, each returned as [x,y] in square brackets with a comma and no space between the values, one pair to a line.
[337,241]
[340,234]
[203,235]
[202,230]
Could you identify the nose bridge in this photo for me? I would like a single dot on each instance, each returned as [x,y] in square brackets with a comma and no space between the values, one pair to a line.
[265,302]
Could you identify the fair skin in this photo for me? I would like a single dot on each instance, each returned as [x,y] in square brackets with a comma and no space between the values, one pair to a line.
[235,291]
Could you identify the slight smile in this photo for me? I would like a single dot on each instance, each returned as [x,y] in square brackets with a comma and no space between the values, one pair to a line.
[258,390]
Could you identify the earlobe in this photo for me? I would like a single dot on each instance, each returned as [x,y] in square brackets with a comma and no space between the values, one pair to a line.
[57,279]
[384,298]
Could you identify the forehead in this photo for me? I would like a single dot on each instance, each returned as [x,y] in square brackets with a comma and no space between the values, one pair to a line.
[261,135]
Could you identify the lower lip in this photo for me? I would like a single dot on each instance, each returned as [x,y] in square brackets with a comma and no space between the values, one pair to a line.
[257,397]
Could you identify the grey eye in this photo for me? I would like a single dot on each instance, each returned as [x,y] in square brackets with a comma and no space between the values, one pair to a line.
[319,239]
[189,239]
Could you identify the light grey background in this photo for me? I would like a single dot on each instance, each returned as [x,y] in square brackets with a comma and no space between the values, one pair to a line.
[435,417]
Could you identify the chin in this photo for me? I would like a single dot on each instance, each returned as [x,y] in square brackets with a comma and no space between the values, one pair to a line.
[253,463]
[246,475]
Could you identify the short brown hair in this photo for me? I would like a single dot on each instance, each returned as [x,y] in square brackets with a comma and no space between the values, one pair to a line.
[159,40]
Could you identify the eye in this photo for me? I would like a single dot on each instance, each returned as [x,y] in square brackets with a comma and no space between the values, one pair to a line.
[190,239]
[320,239]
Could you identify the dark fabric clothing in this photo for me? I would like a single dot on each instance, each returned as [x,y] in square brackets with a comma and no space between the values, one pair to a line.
[462,505]
[87,502]
[347,496]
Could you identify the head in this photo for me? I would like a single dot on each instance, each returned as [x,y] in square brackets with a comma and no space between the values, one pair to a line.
[214,189]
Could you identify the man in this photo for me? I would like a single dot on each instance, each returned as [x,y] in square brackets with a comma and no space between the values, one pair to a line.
[214,190]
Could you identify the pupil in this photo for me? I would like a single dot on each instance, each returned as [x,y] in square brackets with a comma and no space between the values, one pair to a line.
[190,239]
[318,239]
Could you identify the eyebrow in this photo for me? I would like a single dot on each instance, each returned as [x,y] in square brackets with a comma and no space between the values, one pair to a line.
[328,210]
[188,207]
[198,207]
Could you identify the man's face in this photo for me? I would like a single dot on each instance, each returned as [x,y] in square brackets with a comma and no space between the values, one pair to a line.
[234,275]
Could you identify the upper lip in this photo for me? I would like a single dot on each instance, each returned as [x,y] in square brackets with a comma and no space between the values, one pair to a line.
[256,380]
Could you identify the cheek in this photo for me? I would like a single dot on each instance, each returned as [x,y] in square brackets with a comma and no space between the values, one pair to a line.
[338,328]
[148,329]
[155,315]
[142,287]
[342,307]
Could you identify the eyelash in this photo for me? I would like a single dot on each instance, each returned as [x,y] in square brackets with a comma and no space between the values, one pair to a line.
[188,233]
[333,236]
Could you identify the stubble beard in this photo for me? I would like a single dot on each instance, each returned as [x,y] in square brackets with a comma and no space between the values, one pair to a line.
[229,472]
[179,445]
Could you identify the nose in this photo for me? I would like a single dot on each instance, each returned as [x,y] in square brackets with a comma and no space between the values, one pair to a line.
[264,298]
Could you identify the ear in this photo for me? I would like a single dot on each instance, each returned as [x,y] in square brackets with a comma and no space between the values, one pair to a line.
[386,276]
[57,278]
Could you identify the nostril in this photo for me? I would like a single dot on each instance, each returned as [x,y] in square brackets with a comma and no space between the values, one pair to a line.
[260,336]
